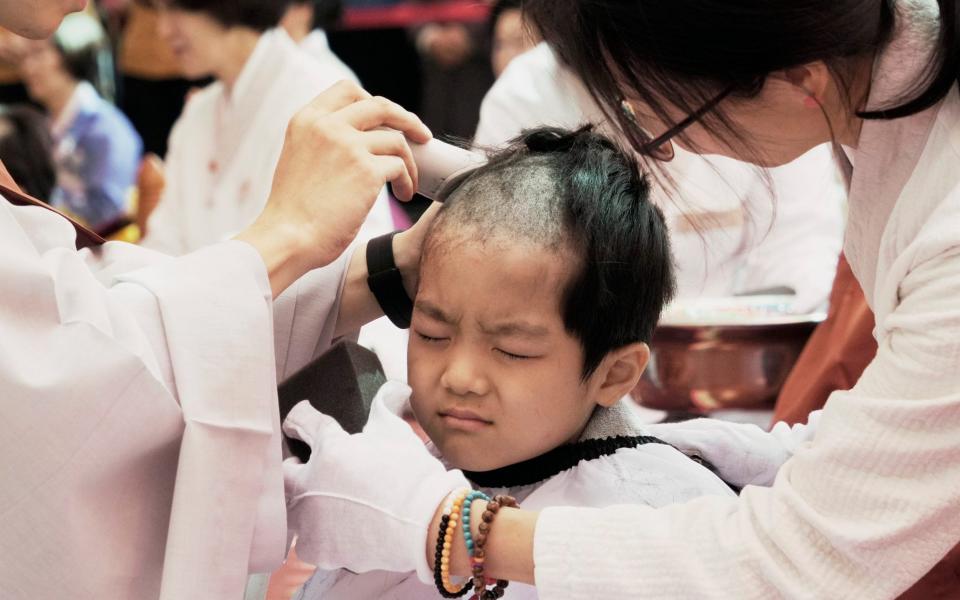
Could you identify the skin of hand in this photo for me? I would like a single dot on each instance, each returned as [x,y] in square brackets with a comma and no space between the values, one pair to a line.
[333,164]
[358,305]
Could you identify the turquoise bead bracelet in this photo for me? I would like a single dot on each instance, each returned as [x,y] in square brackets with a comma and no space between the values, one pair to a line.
[465,517]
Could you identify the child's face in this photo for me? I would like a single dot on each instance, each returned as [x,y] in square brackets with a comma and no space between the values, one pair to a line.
[496,377]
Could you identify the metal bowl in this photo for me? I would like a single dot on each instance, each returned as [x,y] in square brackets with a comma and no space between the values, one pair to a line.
[722,363]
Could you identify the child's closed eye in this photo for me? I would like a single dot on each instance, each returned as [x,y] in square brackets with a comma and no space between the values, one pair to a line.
[430,339]
[513,356]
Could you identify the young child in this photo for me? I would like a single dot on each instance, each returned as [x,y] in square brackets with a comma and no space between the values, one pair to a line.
[541,282]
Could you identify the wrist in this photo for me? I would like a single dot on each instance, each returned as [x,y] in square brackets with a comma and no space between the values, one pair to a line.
[283,250]
[459,561]
[406,255]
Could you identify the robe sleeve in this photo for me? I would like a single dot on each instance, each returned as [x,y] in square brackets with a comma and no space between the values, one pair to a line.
[142,454]
[862,510]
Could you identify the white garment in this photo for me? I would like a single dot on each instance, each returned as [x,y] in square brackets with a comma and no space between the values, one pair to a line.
[140,445]
[741,244]
[316,45]
[224,148]
[870,502]
[650,474]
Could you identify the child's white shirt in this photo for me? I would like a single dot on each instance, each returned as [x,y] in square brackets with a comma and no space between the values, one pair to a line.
[651,474]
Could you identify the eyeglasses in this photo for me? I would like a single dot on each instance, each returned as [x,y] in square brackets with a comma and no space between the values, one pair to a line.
[661,147]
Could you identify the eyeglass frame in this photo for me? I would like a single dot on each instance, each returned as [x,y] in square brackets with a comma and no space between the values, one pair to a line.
[651,146]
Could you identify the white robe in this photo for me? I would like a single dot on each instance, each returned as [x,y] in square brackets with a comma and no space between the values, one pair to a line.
[868,503]
[650,475]
[316,45]
[140,446]
[745,245]
[224,148]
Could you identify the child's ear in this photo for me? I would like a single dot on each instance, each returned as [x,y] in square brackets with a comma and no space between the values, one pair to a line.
[619,373]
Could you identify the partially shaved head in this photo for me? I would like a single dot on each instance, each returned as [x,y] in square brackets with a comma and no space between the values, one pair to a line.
[577,194]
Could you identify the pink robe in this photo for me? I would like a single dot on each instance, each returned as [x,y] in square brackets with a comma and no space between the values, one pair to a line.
[141,453]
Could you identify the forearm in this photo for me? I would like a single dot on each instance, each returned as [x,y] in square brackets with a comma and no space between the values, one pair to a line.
[509,547]
[358,305]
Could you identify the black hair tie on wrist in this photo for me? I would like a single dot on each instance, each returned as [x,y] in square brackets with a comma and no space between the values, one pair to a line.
[386,282]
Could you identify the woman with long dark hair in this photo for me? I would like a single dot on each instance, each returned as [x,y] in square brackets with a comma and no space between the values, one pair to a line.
[863,500]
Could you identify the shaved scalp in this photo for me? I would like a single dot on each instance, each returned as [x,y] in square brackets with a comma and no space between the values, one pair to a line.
[578,194]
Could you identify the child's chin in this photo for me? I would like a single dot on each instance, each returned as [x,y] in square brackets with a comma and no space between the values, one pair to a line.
[469,459]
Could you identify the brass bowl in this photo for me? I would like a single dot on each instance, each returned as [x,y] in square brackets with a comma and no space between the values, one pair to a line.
[708,366]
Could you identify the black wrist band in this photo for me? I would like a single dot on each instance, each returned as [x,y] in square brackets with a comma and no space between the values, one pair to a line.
[386,282]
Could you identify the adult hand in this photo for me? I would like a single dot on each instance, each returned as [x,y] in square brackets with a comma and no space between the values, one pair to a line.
[338,153]
[364,501]
[408,248]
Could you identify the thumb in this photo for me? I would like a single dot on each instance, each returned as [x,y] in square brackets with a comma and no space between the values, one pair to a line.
[307,424]
[385,412]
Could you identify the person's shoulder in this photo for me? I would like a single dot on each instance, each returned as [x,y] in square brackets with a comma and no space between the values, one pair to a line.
[308,75]
[316,47]
[536,71]
[109,123]
[650,474]
[201,102]
[200,107]
[533,90]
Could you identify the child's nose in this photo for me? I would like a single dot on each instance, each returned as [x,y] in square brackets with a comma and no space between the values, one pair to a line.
[464,377]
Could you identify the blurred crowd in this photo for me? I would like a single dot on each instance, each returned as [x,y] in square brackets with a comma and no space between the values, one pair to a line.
[100,103]
[161,122]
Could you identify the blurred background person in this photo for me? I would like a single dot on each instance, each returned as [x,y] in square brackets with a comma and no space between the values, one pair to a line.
[456,73]
[26,149]
[511,34]
[152,88]
[307,22]
[225,146]
[95,148]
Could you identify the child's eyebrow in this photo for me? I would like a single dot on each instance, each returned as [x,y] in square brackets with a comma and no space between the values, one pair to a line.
[433,311]
[516,328]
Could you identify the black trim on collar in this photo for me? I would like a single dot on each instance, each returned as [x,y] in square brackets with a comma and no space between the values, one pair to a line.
[562,458]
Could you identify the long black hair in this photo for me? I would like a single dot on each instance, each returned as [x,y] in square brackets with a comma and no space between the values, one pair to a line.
[258,15]
[26,149]
[691,50]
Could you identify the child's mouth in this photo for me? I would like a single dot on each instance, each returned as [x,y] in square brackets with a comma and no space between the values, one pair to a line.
[465,420]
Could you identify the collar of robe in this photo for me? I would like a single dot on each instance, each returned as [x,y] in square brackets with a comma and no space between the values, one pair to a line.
[11,191]
[562,458]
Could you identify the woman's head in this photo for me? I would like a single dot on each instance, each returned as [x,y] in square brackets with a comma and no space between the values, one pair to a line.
[75,53]
[783,64]
[198,31]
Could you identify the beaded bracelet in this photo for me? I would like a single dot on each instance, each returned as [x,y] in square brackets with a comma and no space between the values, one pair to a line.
[465,518]
[478,556]
[448,526]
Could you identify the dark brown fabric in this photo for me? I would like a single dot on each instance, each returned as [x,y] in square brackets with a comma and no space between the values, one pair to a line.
[12,192]
[833,359]
[836,355]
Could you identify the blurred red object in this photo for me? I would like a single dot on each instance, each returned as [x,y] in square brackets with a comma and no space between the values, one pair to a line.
[410,14]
